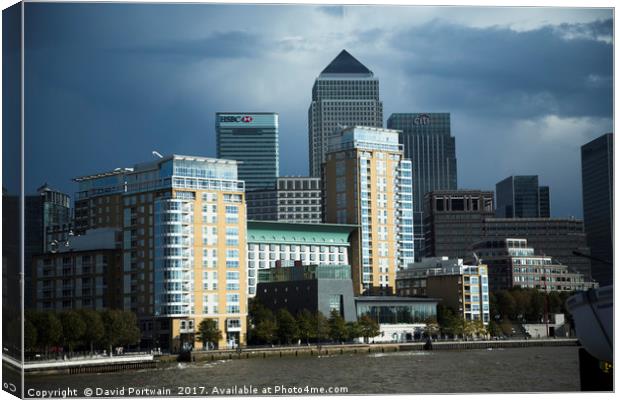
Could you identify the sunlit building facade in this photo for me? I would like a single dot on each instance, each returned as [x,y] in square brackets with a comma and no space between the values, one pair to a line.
[368,183]
[183,224]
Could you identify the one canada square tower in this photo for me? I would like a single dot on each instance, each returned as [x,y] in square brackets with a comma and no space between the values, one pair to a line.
[346,93]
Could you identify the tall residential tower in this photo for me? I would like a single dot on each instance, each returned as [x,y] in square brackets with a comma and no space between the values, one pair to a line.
[346,93]
[182,224]
[368,183]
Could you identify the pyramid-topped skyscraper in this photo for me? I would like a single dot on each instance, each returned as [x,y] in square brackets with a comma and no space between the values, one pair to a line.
[346,93]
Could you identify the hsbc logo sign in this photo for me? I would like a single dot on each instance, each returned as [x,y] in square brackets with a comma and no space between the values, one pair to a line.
[236,118]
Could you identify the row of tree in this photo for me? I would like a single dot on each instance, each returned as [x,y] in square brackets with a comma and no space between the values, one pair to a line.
[284,328]
[526,304]
[86,329]
[448,323]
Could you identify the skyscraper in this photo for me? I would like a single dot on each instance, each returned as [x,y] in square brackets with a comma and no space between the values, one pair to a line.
[597,179]
[252,139]
[346,93]
[428,144]
[368,183]
[520,196]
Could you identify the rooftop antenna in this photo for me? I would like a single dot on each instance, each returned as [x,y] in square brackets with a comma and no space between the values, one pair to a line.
[156,154]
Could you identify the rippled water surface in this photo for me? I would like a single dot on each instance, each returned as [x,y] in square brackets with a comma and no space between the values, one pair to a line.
[535,369]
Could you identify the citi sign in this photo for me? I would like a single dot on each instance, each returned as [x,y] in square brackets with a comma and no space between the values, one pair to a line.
[236,118]
[422,119]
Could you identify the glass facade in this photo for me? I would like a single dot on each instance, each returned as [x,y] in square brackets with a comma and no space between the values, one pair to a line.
[427,142]
[521,197]
[598,188]
[251,138]
[346,93]
[395,313]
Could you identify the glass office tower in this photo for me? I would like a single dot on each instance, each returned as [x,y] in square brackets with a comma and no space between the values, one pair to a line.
[597,179]
[252,139]
[521,197]
[427,142]
[346,93]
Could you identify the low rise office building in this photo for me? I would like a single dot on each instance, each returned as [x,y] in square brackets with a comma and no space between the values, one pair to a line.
[280,243]
[512,262]
[400,319]
[316,288]
[463,288]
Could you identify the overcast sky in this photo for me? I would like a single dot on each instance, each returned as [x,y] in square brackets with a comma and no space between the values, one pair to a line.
[108,83]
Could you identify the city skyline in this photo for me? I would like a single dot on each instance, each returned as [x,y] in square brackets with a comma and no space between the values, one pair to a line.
[547,95]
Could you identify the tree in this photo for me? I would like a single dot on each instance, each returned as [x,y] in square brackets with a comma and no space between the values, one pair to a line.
[555,302]
[73,328]
[208,332]
[266,330]
[506,304]
[494,329]
[49,329]
[30,335]
[287,326]
[432,327]
[354,330]
[321,327]
[130,331]
[536,306]
[337,327]
[305,325]
[369,327]
[121,328]
[94,327]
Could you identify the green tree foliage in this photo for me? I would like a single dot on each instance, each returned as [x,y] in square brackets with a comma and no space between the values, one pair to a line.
[30,335]
[536,306]
[337,327]
[49,330]
[305,325]
[287,326]
[354,330]
[494,329]
[208,332]
[121,328]
[506,304]
[449,322]
[73,328]
[266,331]
[321,327]
[370,328]
[95,330]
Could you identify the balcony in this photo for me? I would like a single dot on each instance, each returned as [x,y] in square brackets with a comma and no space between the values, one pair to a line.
[233,325]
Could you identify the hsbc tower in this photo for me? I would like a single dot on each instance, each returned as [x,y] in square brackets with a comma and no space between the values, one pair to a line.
[251,138]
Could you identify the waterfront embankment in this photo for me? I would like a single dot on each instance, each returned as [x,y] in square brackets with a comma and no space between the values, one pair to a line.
[120,363]
[335,349]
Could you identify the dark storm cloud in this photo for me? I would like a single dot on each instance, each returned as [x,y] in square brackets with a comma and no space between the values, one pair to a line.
[529,73]
[106,84]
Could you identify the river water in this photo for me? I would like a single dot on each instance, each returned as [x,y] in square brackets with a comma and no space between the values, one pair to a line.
[534,369]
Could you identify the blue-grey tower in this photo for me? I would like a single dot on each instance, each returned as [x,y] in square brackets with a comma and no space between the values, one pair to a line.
[252,139]
[597,180]
[427,142]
